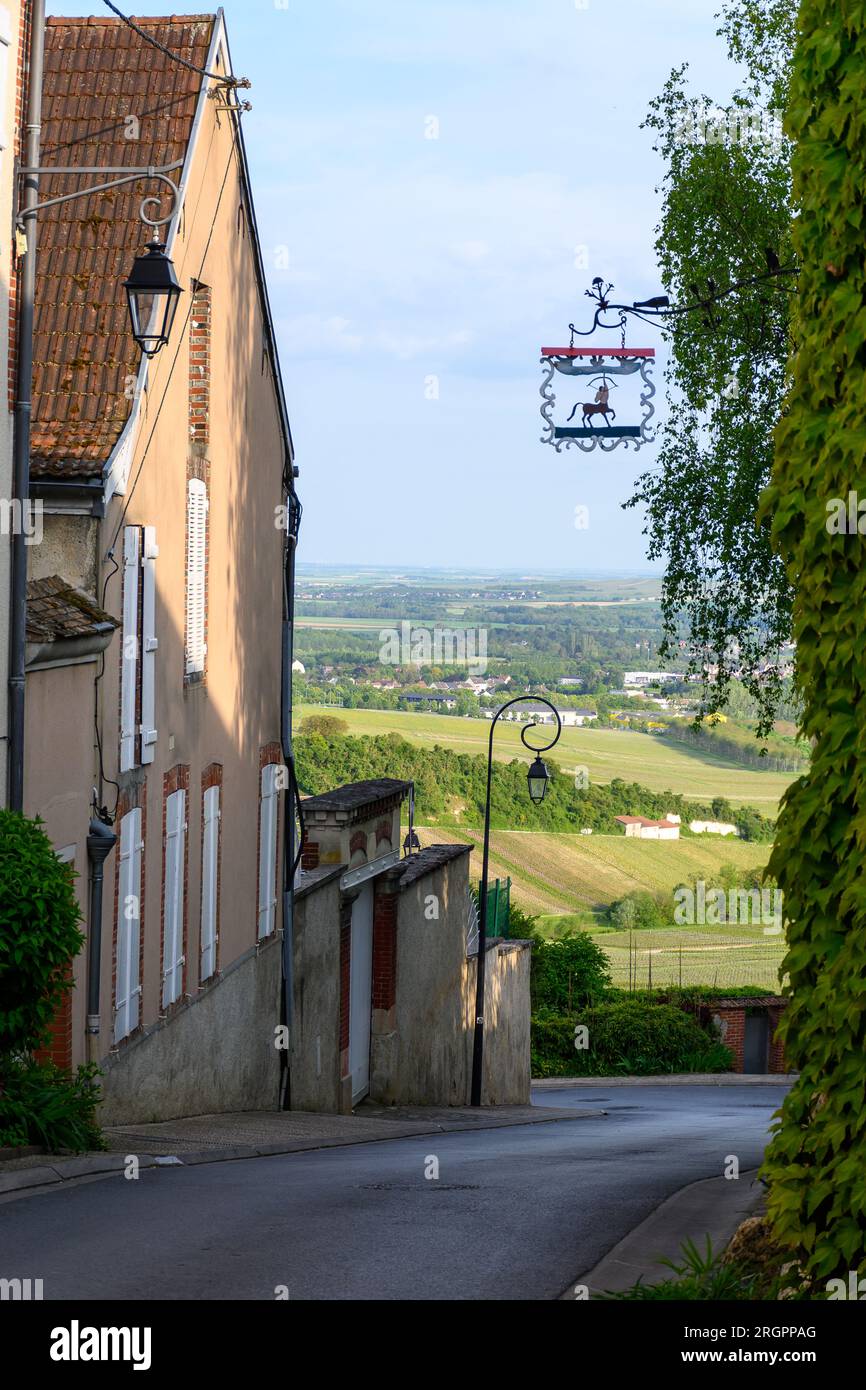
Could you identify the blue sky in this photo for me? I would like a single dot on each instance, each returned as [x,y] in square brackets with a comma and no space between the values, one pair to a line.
[395,258]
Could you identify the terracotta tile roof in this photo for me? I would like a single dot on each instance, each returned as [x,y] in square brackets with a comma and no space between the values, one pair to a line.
[97,74]
[55,610]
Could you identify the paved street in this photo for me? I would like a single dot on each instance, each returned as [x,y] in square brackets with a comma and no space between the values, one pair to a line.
[516,1212]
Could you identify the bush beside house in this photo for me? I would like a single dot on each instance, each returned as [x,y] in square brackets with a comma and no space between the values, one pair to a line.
[39,937]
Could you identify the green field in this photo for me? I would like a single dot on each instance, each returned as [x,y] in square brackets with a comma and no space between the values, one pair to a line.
[696,956]
[567,880]
[555,875]
[608,753]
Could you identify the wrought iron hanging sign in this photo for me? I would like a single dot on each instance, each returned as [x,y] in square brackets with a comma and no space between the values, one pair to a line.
[597,418]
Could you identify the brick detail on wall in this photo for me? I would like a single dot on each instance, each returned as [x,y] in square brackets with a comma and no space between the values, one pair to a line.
[358,842]
[384,947]
[383,832]
[733,1029]
[212,777]
[199,364]
[130,798]
[345,975]
[310,856]
[175,780]
[59,1046]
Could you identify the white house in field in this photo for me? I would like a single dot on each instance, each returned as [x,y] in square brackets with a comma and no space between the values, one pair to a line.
[640,828]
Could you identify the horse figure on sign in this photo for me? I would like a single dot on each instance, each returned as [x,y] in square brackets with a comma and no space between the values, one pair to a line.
[601,406]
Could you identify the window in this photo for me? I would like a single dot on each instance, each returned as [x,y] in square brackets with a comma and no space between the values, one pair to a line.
[127,981]
[173,958]
[196,576]
[268,850]
[209,881]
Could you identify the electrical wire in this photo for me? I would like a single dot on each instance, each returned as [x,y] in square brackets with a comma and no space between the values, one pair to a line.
[175,57]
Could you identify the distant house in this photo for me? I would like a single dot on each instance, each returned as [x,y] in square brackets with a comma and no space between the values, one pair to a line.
[299,668]
[431,698]
[712,827]
[639,678]
[640,828]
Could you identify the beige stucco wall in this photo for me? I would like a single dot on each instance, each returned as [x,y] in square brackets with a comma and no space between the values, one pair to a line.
[229,717]
[422,1048]
[315,1031]
[60,702]
[216,1054]
[10,21]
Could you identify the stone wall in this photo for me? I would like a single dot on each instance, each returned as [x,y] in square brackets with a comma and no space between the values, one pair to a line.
[216,1053]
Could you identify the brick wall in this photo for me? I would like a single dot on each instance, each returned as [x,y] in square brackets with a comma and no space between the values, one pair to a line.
[199,364]
[384,947]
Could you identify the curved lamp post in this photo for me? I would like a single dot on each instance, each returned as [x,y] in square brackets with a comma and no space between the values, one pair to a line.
[538,779]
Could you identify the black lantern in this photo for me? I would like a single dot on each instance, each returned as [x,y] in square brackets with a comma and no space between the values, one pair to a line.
[538,778]
[153,293]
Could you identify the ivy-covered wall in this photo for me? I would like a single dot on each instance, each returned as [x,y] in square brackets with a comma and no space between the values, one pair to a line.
[817,1161]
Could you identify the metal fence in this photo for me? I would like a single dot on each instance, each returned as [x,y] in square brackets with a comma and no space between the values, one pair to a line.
[498,906]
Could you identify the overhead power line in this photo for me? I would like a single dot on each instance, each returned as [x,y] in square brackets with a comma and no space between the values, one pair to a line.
[175,57]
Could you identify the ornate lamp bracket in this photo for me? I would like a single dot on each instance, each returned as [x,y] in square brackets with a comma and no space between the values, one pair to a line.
[155,172]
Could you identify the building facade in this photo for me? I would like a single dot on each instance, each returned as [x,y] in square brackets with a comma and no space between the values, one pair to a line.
[163,483]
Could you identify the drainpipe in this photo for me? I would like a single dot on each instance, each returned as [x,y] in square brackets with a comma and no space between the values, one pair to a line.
[100,843]
[24,387]
[290,852]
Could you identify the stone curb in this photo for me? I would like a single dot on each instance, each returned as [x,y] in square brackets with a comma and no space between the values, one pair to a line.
[712,1207]
[725,1078]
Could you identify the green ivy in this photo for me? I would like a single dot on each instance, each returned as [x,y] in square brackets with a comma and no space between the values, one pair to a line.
[816,1163]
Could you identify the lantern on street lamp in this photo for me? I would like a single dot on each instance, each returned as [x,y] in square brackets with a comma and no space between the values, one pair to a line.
[538,778]
[152,292]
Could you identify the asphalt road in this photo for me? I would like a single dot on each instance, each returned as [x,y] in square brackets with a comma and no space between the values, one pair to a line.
[516,1213]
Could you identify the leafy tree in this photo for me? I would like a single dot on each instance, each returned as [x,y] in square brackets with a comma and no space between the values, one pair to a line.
[726,218]
[327,725]
[817,1161]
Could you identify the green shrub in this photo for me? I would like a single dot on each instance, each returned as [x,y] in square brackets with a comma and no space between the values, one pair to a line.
[640,911]
[567,974]
[629,1038]
[39,934]
[40,1104]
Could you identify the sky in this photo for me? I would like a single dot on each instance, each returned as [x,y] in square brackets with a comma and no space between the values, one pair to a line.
[436,184]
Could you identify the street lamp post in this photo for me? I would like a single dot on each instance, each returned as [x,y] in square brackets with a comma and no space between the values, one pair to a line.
[538,779]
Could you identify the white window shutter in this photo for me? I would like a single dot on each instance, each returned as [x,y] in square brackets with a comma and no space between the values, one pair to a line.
[196,523]
[128,985]
[172,949]
[149,645]
[268,851]
[209,866]
[129,656]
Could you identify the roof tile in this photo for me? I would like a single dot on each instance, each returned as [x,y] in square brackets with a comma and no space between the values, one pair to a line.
[97,73]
